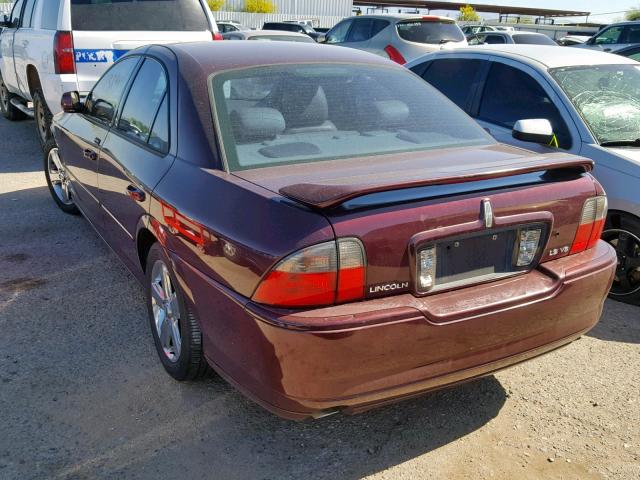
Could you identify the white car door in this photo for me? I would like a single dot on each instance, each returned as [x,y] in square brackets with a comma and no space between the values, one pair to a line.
[6,48]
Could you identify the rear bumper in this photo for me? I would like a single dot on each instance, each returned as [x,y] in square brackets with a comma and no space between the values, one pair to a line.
[356,356]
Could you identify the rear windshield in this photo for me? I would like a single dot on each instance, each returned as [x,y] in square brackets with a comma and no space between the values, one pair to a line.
[527,38]
[282,38]
[289,114]
[282,26]
[150,15]
[430,31]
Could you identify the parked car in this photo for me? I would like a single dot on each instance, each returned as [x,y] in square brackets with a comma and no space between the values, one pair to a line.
[632,52]
[493,38]
[230,26]
[617,35]
[400,38]
[570,40]
[473,29]
[52,46]
[591,100]
[293,27]
[268,35]
[307,221]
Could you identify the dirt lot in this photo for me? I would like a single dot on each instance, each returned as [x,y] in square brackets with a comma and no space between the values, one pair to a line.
[83,396]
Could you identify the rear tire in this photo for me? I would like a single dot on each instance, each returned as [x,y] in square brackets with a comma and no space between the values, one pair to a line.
[6,108]
[43,117]
[175,330]
[622,232]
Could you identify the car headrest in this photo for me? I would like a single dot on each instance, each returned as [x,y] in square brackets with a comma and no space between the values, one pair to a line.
[256,124]
[305,105]
[390,113]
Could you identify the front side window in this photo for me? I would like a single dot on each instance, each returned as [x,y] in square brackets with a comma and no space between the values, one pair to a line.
[338,34]
[607,97]
[290,114]
[609,36]
[511,95]
[453,77]
[146,15]
[430,31]
[102,103]
[143,101]
[15,13]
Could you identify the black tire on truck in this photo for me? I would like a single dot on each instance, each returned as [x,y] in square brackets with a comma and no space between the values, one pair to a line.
[43,116]
[6,108]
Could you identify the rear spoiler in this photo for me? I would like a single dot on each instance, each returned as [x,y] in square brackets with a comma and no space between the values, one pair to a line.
[326,196]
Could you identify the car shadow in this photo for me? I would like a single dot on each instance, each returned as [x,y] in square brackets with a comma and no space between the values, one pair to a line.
[620,322]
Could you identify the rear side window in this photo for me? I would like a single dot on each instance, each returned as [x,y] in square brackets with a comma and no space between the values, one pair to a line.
[102,103]
[143,101]
[360,31]
[511,95]
[529,39]
[50,11]
[149,15]
[631,34]
[429,31]
[454,77]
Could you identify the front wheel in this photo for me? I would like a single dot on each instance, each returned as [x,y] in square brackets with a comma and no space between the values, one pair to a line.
[623,234]
[175,331]
[6,108]
[57,179]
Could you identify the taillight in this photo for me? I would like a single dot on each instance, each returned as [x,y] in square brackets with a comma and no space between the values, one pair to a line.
[217,36]
[324,274]
[394,54]
[63,57]
[594,214]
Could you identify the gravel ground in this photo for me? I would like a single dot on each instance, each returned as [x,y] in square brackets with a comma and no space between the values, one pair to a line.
[83,396]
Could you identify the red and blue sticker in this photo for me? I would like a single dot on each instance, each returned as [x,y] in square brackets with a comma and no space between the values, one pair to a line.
[103,55]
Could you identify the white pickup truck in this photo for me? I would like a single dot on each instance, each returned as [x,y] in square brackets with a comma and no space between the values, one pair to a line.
[48,47]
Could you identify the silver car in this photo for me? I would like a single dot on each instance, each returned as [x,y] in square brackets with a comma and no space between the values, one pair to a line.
[614,36]
[581,101]
[498,38]
[398,37]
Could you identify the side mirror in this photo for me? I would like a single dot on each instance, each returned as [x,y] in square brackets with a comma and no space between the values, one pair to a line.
[71,102]
[322,38]
[4,23]
[535,130]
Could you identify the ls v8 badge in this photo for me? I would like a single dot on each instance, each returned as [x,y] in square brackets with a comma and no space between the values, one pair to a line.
[557,251]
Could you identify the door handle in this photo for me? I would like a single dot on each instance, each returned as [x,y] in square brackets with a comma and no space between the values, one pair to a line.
[135,193]
[90,154]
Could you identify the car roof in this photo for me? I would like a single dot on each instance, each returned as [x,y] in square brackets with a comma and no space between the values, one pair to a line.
[204,58]
[548,56]
[402,16]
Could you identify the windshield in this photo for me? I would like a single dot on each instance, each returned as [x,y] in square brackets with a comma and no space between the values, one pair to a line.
[149,15]
[430,31]
[289,114]
[607,97]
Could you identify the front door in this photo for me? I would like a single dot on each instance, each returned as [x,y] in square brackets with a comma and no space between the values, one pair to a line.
[6,48]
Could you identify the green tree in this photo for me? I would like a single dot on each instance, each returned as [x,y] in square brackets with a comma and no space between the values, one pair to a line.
[468,14]
[215,5]
[259,6]
[633,14]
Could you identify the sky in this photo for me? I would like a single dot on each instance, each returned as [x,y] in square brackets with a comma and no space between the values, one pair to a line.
[602,11]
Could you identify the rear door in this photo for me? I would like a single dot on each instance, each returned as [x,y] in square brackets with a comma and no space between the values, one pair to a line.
[82,136]
[6,48]
[135,156]
[104,30]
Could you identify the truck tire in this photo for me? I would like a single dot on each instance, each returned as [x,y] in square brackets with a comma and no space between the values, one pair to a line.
[43,117]
[8,111]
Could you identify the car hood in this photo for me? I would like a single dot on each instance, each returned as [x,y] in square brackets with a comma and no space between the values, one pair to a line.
[328,183]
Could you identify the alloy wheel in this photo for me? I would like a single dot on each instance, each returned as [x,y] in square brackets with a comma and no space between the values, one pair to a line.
[58,177]
[627,245]
[166,311]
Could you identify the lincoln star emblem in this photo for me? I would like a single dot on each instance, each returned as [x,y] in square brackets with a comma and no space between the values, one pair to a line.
[487,213]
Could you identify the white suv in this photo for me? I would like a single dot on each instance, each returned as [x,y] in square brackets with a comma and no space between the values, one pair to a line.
[49,47]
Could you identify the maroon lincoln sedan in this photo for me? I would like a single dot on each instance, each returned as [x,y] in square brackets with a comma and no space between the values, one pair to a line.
[324,229]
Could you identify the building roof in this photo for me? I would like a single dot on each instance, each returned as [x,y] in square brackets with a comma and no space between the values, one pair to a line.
[454,6]
[546,56]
